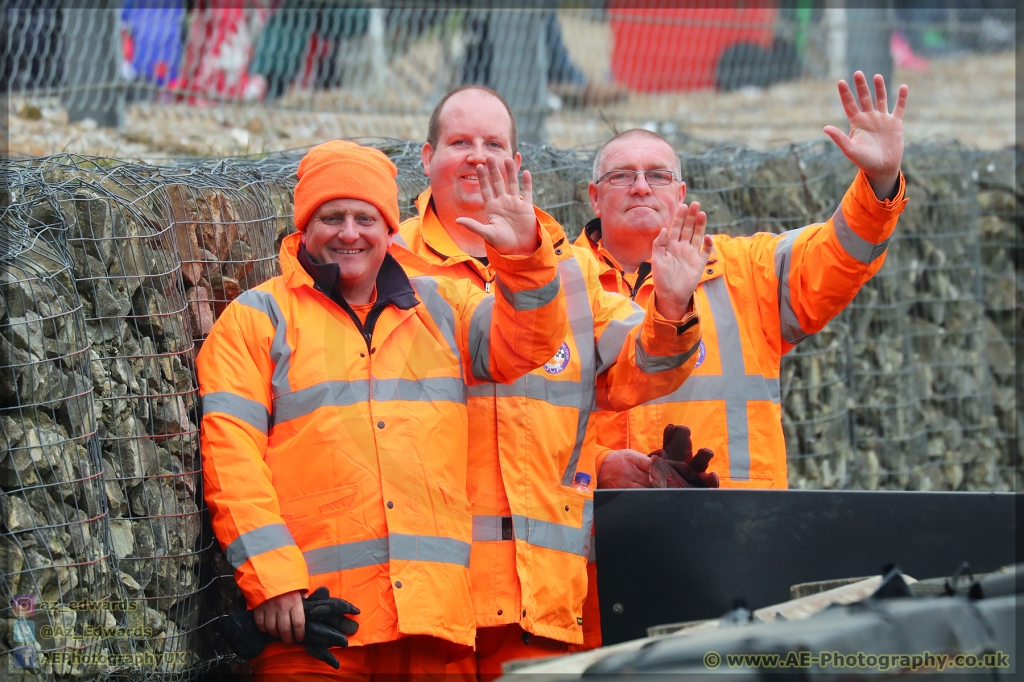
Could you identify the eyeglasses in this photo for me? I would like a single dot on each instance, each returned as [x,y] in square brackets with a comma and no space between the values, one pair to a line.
[625,178]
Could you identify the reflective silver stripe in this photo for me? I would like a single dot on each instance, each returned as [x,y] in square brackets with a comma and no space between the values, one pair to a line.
[588,528]
[440,310]
[251,412]
[537,387]
[482,390]
[398,546]
[613,338]
[345,393]
[326,394]
[581,322]
[347,555]
[593,550]
[487,528]
[429,548]
[480,340]
[530,299]
[730,353]
[855,245]
[556,536]
[257,541]
[431,389]
[792,332]
[398,239]
[649,364]
[280,351]
[747,387]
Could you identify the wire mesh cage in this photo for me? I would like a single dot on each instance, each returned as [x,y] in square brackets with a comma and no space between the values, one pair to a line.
[53,543]
[942,281]
[1000,234]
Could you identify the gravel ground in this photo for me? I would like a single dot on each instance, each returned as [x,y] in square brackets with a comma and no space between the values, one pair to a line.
[967,97]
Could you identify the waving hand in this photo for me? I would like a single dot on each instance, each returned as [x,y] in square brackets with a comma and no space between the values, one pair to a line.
[511,227]
[875,141]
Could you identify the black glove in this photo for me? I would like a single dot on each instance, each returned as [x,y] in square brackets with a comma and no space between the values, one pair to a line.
[675,466]
[240,632]
[327,625]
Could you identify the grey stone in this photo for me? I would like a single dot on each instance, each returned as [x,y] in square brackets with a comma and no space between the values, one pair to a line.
[26,332]
[20,293]
[12,560]
[170,416]
[151,308]
[16,512]
[12,367]
[122,538]
[134,450]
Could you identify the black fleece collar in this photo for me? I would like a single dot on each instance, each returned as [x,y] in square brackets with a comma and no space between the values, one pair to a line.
[393,285]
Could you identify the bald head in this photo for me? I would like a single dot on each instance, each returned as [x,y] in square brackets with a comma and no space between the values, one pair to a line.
[626,136]
[471,93]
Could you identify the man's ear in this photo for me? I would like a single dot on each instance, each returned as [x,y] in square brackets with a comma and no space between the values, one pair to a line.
[592,193]
[518,158]
[682,192]
[426,155]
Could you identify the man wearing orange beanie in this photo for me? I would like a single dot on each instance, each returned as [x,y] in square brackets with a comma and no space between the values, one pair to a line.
[334,431]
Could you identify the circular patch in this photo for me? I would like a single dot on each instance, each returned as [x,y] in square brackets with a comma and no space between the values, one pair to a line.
[701,353]
[561,360]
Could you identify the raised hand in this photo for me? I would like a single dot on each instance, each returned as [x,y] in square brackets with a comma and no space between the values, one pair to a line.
[678,257]
[511,227]
[875,141]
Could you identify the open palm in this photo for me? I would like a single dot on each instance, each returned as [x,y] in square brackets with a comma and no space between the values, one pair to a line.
[875,141]
[678,257]
[511,227]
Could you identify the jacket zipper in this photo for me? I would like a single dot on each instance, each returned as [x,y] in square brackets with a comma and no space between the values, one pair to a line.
[371,319]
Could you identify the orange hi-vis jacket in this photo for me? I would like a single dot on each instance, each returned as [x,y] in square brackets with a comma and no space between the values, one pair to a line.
[339,459]
[760,295]
[531,528]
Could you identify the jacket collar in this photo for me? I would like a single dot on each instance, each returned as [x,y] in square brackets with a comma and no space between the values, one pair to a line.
[298,268]
[592,230]
[440,242]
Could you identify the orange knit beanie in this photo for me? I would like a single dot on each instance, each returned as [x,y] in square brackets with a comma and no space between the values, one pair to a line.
[345,170]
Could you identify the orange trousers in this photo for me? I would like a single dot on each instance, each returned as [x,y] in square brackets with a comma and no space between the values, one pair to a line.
[498,645]
[409,659]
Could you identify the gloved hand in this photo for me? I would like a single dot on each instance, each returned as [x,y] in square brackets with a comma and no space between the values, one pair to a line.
[675,466]
[240,632]
[327,625]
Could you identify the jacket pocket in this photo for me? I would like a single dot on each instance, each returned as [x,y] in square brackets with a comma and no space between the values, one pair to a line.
[318,506]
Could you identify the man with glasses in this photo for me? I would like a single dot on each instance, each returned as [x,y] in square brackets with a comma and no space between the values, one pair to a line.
[759,296]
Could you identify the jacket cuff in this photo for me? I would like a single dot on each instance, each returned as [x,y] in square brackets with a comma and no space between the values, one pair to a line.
[602,455]
[261,593]
[528,282]
[863,194]
[663,337]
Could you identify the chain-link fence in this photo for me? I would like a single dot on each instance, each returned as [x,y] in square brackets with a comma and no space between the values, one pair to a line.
[113,273]
[571,74]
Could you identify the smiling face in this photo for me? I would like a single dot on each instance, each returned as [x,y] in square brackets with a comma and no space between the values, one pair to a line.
[631,217]
[353,234]
[473,125]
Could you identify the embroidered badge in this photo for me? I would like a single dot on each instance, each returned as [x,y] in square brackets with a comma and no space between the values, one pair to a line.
[561,360]
[701,353]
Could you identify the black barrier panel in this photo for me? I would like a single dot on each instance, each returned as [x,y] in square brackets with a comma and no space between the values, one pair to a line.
[669,556]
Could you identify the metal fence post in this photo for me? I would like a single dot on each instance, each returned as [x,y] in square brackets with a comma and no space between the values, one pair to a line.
[92,65]
[519,68]
[867,46]
[835,21]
